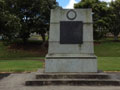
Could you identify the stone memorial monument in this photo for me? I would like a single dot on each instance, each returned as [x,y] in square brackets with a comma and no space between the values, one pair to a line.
[70,59]
[71,47]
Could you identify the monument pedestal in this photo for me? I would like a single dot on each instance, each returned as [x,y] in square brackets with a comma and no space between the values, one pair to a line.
[71,59]
[73,79]
[70,63]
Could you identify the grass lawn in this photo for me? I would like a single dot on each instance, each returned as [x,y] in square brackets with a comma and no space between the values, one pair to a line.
[109,63]
[102,49]
[20,66]
[20,60]
[6,53]
[108,53]
[104,63]
[107,49]
[21,52]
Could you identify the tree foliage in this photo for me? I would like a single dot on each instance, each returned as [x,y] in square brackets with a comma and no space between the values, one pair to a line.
[9,23]
[100,15]
[23,17]
[20,18]
[114,22]
[106,16]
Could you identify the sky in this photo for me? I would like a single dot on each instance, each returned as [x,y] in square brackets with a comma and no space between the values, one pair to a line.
[69,4]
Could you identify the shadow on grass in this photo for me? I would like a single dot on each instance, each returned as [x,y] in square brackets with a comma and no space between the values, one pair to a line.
[20,50]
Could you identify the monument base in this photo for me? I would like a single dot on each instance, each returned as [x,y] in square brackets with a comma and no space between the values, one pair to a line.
[70,63]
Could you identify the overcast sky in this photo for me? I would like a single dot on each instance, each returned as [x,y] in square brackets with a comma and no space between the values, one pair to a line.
[70,3]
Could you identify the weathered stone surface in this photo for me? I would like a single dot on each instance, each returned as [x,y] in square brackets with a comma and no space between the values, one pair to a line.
[73,76]
[82,15]
[74,79]
[85,48]
[71,57]
[71,65]
[17,82]
[75,82]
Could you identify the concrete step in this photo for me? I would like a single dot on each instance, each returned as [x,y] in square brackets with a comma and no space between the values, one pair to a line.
[75,82]
[72,76]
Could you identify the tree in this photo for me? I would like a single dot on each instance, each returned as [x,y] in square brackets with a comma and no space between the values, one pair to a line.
[2,4]
[34,15]
[20,18]
[9,23]
[11,26]
[114,22]
[100,13]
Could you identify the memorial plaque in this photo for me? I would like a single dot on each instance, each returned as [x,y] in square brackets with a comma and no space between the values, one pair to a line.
[71,32]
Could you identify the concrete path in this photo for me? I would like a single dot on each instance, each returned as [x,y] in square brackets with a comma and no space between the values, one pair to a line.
[17,81]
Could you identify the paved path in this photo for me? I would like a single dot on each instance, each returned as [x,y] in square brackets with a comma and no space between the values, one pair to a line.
[17,81]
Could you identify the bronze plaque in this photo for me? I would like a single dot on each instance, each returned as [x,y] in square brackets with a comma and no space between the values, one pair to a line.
[71,32]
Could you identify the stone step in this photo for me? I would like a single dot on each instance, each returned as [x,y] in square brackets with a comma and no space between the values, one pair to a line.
[72,76]
[75,82]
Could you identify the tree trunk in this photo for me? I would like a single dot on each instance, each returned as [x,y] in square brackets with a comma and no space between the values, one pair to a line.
[116,38]
[24,40]
[43,37]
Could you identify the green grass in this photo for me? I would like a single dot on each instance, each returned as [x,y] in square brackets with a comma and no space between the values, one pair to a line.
[104,63]
[108,49]
[109,63]
[23,58]
[19,66]
[108,53]
[6,54]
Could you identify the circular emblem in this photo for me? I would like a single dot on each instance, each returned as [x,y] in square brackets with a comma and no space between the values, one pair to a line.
[71,15]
